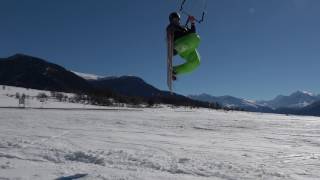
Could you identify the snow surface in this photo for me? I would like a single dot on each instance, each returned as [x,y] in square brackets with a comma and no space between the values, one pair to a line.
[8,99]
[87,76]
[308,93]
[157,144]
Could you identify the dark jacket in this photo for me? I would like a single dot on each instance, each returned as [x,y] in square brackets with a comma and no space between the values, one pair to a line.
[180,31]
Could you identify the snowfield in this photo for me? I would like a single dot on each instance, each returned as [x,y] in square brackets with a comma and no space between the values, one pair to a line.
[157,144]
[8,99]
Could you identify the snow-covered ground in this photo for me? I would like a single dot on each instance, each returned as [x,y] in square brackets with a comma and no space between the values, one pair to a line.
[157,144]
[8,99]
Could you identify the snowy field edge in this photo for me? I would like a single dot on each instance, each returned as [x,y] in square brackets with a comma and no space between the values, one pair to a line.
[158,143]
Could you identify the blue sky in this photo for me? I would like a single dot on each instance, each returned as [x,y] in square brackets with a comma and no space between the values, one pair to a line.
[253,49]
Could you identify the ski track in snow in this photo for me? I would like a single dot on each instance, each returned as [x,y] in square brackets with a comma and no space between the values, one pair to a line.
[156,144]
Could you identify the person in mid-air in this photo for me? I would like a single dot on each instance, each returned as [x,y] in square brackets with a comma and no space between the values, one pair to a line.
[185,41]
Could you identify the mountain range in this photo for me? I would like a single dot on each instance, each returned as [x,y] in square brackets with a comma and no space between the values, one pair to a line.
[299,102]
[230,101]
[36,73]
[32,72]
[298,99]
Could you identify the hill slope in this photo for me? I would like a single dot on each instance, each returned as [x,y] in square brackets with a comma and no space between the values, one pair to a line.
[31,72]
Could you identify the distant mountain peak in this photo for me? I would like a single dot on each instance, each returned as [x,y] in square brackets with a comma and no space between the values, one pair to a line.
[19,55]
[230,101]
[304,93]
[298,99]
[32,72]
[205,94]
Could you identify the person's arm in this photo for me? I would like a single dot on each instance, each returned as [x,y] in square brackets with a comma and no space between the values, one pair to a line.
[193,26]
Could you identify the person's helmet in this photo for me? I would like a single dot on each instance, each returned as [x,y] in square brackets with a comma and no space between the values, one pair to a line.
[174,15]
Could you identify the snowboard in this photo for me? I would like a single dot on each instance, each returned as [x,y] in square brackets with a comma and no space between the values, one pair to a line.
[169,62]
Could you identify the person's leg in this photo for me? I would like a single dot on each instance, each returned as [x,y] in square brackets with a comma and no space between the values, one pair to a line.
[192,62]
[187,43]
[186,48]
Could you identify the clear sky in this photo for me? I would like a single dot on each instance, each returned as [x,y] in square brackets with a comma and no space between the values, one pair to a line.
[253,49]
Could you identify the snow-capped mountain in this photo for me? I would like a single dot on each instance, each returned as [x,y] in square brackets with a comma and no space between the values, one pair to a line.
[298,99]
[230,101]
[299,102]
